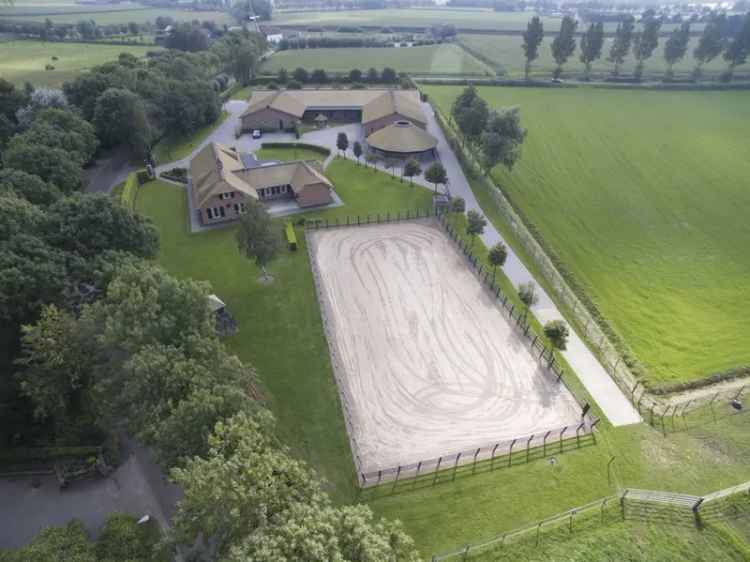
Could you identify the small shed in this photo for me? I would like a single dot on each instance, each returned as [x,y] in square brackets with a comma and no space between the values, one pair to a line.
[216,304]
[225,324]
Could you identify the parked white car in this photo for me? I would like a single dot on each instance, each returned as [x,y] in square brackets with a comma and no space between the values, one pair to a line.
[257,134]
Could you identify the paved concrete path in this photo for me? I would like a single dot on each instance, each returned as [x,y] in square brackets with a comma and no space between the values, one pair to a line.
[594,377]
[137,487]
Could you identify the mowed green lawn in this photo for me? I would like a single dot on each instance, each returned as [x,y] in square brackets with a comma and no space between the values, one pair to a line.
[505,51]
[280,330]
[644,196]
[23,61]
[280,333]
[430,59]
[618,540]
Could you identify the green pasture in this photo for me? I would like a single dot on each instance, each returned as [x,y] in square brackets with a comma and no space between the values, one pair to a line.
[701,455]
[23,61]
[113,15]
[467,18]
[506,53]
[614,540]
[643,196]
[430,59]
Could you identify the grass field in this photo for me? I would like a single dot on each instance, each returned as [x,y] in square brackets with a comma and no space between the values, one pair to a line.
[25,60]
[289,154]
[461,18]
[505,52]
[114,15]
[645,206]
[617,540]
[706,455]
[432,59]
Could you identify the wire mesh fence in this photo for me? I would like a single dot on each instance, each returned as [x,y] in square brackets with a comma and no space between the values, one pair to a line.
[650,405]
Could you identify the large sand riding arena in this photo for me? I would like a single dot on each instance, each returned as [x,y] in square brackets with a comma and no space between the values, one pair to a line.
[428,363]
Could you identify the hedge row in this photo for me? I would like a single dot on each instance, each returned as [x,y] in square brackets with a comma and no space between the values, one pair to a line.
[129,191]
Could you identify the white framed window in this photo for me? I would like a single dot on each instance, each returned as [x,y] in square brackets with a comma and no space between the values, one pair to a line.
[227,195]
[210,213]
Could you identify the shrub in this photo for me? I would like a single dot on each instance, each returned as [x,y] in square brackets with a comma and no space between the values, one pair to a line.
[557,333]
[293,85]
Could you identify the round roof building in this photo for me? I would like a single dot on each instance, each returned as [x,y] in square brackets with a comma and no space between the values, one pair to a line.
[402,139]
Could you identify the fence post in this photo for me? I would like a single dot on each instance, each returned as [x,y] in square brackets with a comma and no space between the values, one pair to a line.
[474,468]
[380,476]
[455,465]
[538,532]
[466,551]
[609,466]
[419,466]
[570,525]
[604,504]
[510,451]
[528,445]
[564,429]
[578,438]
[492,459]
[544,443]
[398,474]
[437,469]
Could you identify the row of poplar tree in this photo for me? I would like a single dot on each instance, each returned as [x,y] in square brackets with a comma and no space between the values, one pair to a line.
[713,42]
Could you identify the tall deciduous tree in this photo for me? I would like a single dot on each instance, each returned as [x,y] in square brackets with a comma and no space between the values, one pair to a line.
[342,142]
[557,332]
[258,238]
[564,44]
[29,187]
[501,142]
[711,43]
[738,49]
[56,362]
[645,43]
[621,43]
[245,482]
[676,47]
[120,117]
[497,256]
[591,46]
[357,150]
[91,224]
[470,113]
[53,165]
[436,174]
[532,39]
[475,224]
[412,168]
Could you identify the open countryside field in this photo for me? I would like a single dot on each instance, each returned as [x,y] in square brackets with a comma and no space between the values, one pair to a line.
[116,15]
[468,18]
[505,52]
[643,196]
[25,60]
[705,455]
[431,59]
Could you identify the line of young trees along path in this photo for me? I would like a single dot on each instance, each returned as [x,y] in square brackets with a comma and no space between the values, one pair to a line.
[641,42]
